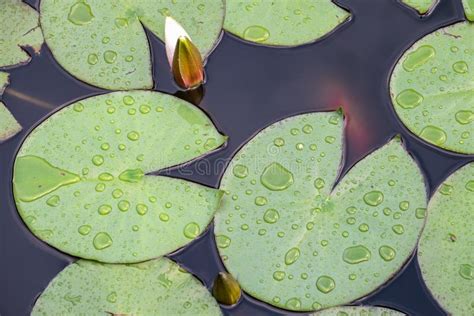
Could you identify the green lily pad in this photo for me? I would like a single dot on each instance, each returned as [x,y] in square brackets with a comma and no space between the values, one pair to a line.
[432,88]
[9,126]
[358,311]
[421,6]
[156,287]
[20,28]
[81,179]
[469,9]
[294,241]
[445,251]
[104,43]
[284,22]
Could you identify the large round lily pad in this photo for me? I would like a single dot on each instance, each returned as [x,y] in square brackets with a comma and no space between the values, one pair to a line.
[445,253]
[81,183]
[104,43]
[432,88]
[156,287]
[283,22]
[358,311]
[20,28]
[294,241]
[421,6]
[8,124]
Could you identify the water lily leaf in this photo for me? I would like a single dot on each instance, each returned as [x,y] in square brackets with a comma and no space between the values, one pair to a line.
[104,43]
[421,6]
[20,28]
[358,311]
[294,241]
[81,179]
[432,88]
[445,251]
[469,9]
[9,127]
[156,287]
[284,22]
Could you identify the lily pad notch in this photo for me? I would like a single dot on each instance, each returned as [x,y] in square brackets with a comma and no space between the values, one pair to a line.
[9,126]
[81,180]
[296,240]
[283,23]
[422,7]
[110,48]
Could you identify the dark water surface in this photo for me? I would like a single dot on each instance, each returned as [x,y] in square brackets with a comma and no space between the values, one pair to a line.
[248,88]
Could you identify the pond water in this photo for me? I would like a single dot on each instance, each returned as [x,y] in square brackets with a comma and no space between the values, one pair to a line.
[248,88]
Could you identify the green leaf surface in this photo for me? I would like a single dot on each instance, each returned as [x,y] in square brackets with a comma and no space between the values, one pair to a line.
[104,43]
[469,9]
[294,241]
[432,88]
[284,22]
[19,28]
[8,124]
[156,287]
[358,311]
[81,178]
[445,252]
[421,6]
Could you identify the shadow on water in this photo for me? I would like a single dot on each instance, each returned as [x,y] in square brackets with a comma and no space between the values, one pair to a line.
[248,88]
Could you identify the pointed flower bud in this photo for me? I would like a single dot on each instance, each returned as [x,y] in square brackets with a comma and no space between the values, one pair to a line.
[226,289]
[183,56]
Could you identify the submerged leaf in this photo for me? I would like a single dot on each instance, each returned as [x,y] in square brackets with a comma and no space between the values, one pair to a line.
[8,124]
[359,311]
[445,253]
[469,9]
[421,6]
[296,242]
[284,22]
[104,43]
[156,287]
[81,178]
[188,71]
[432,88]
[19,24]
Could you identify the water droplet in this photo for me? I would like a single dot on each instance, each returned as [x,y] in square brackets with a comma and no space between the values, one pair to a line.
[279,275]
[104,209]
[292,255]
[464,117]
[470,185]
[460,67]
[222,241]
[325,284]
[364,228]
[102,240]
[329,139]
[319,183]
[124,205]
[144,109]
[256,33]
[133,136]
[84,230]
[105,176]
[356,254]
[373,198]
[110,56]
[275,177]
[112,297]
[117,193]
[307,129]
[191,230]
[121,22]
[240,171]
[398,229]
[98,160]
[100,187]
[80,13]
[434,135]
[141,209]
[316,306]
[293,304]
[418,57]
[387,253]
[466,271]
[279,142]
[409,99]
[260,200]
[271,216]
[446,189]
[53,201]
[164,217]
[299,146]
[420,213]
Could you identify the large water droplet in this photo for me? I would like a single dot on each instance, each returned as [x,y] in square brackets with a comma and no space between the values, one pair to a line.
[222,241]
[325,284]
[292,255]
[398,229]
[434,135]
[387,253]
[409,99]
[104,209]
[80,13]
[356,254]
[84,230]
[191,230]
[271,216]
[293,304]
[256,33]
[110,56]
[53,201]
[240,171]
[275,177]
[460,67]
[373,198]
[418,57]
[279,275]
[464,117]
[102,240]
